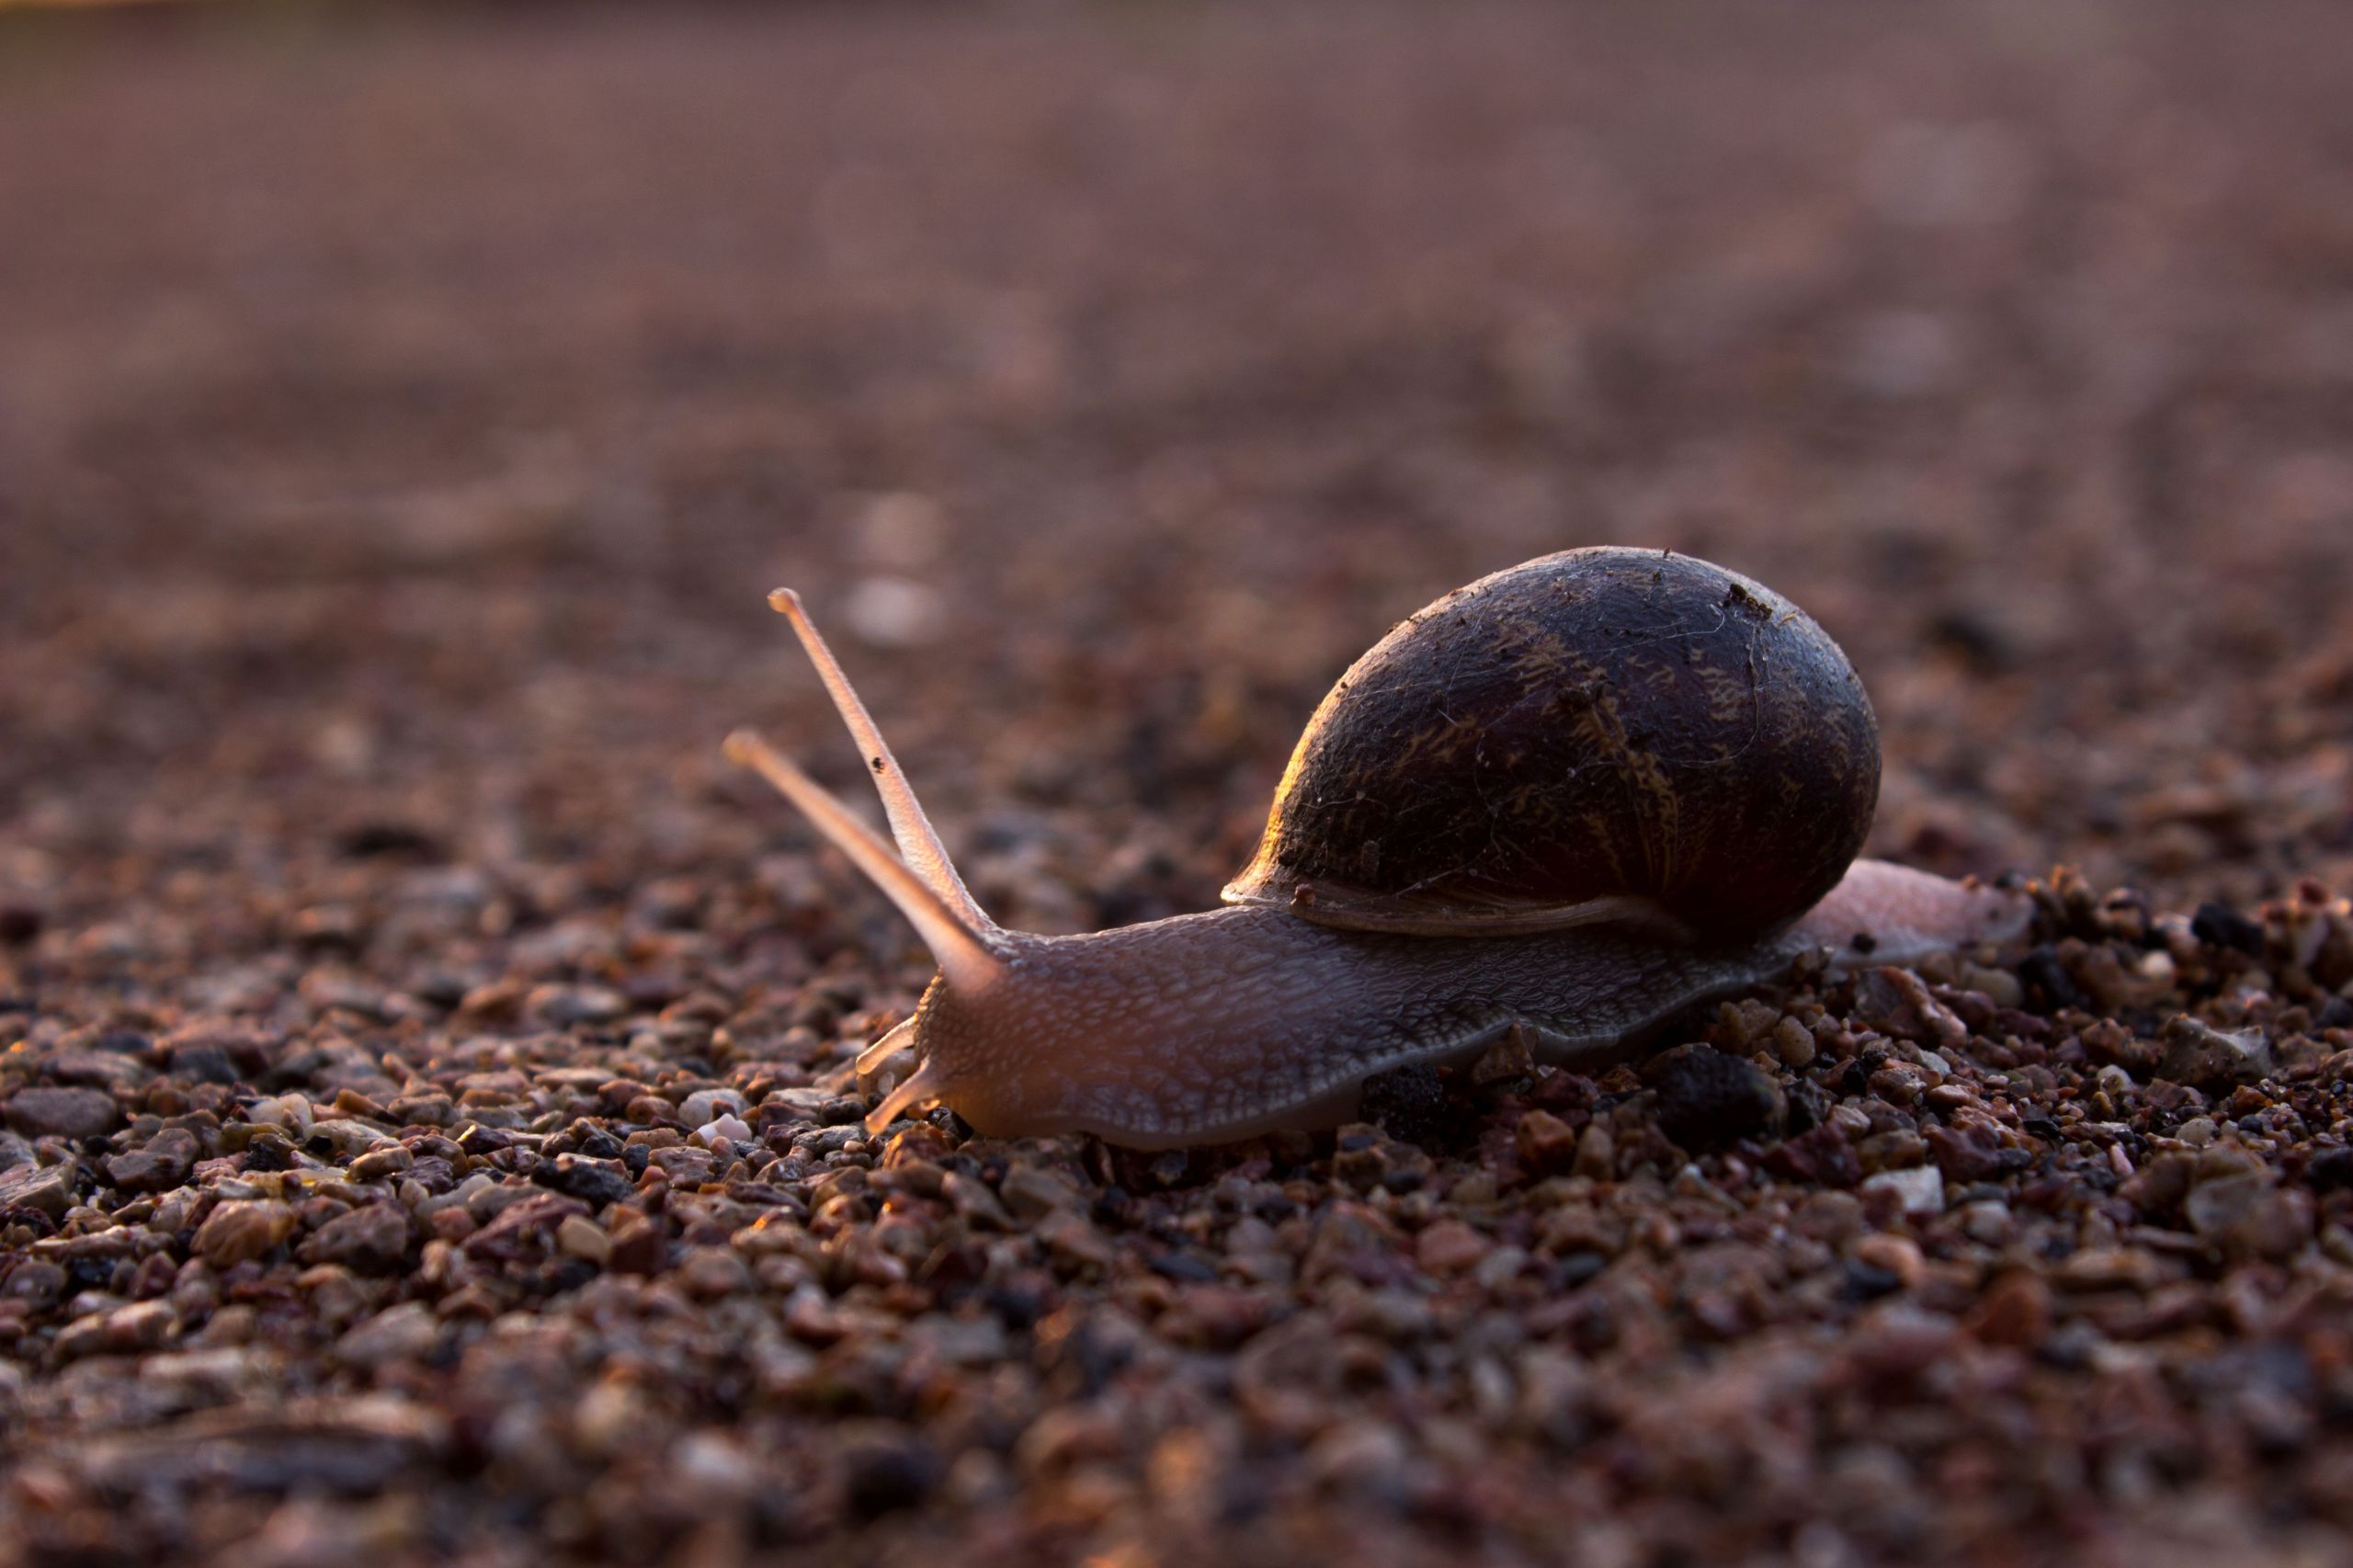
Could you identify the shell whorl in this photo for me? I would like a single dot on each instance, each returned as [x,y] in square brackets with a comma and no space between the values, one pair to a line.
[1600,734]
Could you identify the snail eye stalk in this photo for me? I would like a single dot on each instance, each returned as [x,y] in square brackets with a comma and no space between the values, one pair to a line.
[963,958]
[919,844]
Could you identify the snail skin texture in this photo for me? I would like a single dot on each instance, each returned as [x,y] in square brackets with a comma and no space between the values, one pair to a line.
[1571,800]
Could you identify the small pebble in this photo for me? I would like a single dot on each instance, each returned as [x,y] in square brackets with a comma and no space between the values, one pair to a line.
[1920,1190]
[2206,1058]
[62,1112]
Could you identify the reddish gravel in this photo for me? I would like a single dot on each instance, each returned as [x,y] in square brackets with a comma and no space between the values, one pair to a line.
[423,1061]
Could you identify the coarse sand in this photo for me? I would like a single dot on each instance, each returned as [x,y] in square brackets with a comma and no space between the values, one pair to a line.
[423,1060]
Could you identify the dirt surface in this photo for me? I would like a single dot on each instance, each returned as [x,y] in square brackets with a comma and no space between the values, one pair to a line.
[424,1058]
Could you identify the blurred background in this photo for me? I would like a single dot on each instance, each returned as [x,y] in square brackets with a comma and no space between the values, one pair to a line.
[402,414]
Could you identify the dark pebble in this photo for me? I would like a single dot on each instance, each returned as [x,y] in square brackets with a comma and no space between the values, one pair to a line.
[1409,1104]
[1708,1098]
[2220,926]
[886,1478]
[2330,1170]
[1019,1303]
[1112,1207]
[593,1182]
[1577,1269]
[1808,1107]
[1868,1283]
[90,1273]
[389,838]
[441,988]
[1181,1266]
[477,1141]
[2046,981]
[200,1063]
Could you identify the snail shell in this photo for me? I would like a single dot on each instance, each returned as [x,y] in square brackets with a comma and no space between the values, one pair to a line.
[1603,734]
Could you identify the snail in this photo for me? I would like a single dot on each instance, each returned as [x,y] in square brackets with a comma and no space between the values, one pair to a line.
[1572,799]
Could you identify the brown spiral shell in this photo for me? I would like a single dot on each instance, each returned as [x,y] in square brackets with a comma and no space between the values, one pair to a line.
[1600,734]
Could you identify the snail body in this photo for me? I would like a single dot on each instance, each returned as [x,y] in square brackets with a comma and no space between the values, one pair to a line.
[1572,799]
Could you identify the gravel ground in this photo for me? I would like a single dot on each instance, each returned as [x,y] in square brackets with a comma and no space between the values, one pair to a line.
[423,1060]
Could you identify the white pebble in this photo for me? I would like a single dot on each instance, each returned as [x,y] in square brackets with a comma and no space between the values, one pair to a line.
[892,612]
[1922,1189]
[709,1105]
